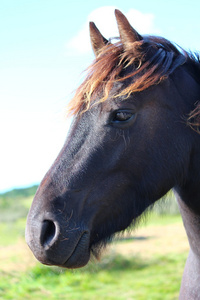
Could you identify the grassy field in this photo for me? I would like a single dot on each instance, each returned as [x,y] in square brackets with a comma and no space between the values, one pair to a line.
[143,265]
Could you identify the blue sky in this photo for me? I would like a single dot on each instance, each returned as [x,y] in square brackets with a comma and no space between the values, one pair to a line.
[44,49]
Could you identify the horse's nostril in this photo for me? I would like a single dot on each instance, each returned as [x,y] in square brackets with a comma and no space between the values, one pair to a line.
[48,233]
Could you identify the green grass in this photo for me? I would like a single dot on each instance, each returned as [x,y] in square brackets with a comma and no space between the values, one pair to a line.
[155,219]
[116,277]
[11,232]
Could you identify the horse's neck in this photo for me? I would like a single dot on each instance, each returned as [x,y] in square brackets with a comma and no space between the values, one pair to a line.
[188,192]
[191,223]
[190,287]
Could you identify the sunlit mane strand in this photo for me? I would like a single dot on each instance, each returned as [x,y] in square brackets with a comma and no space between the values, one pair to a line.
[151,60]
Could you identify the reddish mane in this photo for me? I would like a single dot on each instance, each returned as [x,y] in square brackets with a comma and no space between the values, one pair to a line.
[152,59]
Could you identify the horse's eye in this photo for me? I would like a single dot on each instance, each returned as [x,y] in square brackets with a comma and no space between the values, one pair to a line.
[122,116]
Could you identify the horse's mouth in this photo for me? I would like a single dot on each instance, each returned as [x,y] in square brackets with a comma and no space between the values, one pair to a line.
[80,255]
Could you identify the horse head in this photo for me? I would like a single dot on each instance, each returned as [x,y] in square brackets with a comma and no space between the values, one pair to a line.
[127,147]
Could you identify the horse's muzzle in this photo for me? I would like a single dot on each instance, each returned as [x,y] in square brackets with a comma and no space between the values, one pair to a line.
[54,244]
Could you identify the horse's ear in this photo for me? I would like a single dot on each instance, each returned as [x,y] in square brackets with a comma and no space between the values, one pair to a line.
[127,33]
[98,41]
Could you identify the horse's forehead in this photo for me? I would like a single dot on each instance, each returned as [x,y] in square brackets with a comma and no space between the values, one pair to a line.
[116,89]
[112,99]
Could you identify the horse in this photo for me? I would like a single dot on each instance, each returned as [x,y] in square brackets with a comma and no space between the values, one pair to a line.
[134,136]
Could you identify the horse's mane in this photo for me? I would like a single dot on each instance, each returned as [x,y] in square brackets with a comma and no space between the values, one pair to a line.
[149,61]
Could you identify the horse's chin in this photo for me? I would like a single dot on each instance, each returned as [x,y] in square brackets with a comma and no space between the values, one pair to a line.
[81,259]
[80,256]
[76,260]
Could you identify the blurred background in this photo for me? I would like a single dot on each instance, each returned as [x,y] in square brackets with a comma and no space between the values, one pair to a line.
[45,47]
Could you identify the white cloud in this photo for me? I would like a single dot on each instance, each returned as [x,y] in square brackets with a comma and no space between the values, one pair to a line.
[142,22]
[105,20]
